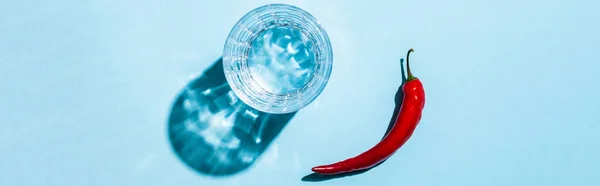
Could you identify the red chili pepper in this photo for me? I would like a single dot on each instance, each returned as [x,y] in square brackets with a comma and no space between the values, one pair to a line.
[406,122]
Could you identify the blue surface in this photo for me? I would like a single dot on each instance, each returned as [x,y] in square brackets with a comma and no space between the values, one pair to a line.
[512,92]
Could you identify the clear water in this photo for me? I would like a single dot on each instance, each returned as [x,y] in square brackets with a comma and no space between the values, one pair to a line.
[281,60]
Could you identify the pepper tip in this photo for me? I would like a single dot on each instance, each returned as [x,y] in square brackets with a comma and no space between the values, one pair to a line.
[325,170]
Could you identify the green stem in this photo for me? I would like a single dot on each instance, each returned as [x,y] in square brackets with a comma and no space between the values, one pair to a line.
[410,76]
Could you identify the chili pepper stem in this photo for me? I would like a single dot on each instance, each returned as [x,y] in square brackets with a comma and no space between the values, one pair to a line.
[410,76]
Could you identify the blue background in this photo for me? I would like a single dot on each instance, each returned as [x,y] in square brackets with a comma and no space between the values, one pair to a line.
[512,91]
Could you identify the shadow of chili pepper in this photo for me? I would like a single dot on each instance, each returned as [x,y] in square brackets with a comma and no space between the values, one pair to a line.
[213,132]
[315,177]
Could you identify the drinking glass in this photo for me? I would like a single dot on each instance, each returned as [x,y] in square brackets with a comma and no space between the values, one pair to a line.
[277,58]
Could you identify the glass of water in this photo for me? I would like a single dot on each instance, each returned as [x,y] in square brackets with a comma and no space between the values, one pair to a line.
[277,58]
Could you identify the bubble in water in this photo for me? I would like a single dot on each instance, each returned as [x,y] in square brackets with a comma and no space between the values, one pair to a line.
[281,60]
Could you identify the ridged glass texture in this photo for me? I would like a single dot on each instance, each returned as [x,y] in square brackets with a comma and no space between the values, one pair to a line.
[277,58]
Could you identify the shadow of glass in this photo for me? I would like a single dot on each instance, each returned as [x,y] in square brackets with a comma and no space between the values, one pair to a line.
[213,132]
[314,177]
